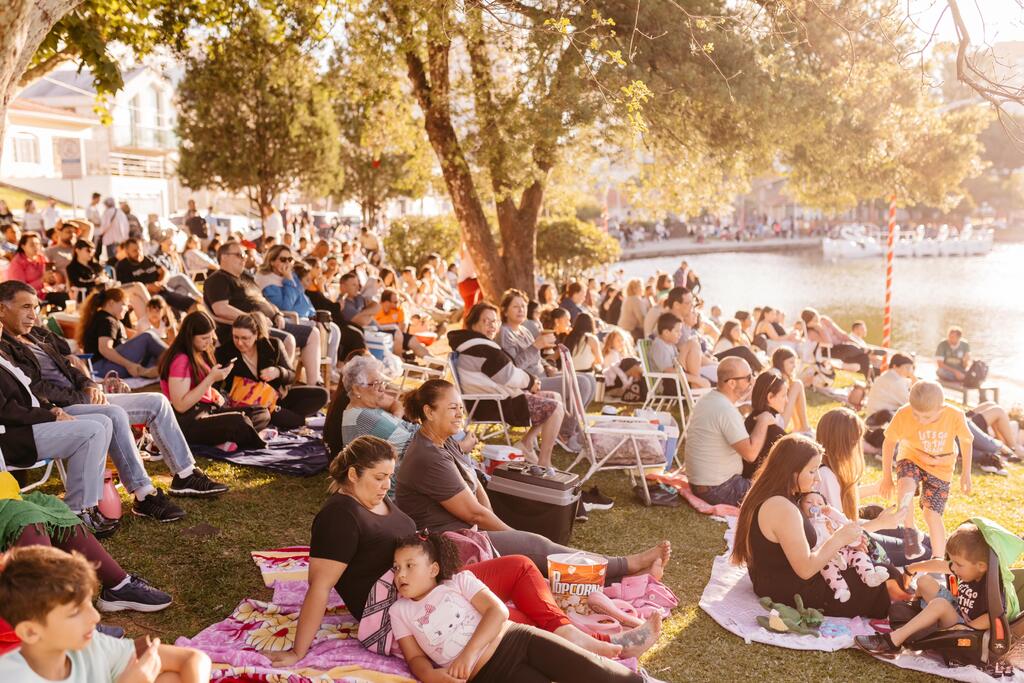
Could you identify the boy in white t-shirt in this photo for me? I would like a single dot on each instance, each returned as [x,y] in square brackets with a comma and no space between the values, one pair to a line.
[46,596]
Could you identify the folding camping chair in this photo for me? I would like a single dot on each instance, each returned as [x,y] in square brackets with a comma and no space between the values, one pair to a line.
[45,464]
[435,368]
[667,388]
[627,429]
[471,402]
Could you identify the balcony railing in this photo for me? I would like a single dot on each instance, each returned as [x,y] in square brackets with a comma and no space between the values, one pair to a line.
[144,137]
[135,166]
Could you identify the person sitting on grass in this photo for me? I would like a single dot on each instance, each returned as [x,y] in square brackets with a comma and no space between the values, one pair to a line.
[450,626]
[768,396]
[774,540]
[717,442]
[353,543]
[46,596]
[39,519]
[968,556]
[784,360]
[926,431]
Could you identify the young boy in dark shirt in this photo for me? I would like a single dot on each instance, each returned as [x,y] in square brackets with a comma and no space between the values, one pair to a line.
[964,602]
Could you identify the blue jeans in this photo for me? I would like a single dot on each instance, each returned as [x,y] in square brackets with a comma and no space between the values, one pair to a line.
[144,348]
[729,492]
[946,375]
[891,541]
[82,444]
[983,443]
[152,410]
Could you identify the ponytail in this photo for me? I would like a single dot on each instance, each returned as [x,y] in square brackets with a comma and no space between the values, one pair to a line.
[438,549]
[91,307]
[426,394]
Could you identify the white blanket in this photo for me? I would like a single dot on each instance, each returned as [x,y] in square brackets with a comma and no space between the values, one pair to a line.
[729,599]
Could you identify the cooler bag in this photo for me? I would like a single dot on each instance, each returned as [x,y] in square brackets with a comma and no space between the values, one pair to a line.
[527,499]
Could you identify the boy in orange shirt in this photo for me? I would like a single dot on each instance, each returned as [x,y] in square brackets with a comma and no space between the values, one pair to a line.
[925,430]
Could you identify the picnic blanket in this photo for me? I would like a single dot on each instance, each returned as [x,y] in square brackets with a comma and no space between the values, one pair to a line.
[678,480]
[236,644]
[288,453]
[729,599]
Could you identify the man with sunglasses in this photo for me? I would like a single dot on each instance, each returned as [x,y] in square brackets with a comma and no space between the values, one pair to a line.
[136,267]
[717,443]
[231,291]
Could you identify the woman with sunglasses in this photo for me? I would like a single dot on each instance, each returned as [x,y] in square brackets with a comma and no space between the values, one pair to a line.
[282,287]
[768,396]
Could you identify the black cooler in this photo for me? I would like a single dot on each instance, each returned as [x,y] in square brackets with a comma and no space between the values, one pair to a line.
[528,499]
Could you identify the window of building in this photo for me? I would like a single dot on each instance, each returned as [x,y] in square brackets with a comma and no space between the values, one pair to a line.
[26,148]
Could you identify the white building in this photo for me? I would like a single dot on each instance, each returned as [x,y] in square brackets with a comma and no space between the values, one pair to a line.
[130,159]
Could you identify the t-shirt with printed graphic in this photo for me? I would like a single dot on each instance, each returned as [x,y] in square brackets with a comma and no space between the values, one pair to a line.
[954,358]
[442,622]
[971,598]
[934,438]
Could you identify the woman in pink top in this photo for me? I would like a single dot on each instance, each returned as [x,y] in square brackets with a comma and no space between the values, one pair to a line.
[29,266]
[188,373]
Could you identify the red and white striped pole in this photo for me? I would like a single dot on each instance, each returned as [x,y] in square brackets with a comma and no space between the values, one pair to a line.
[889,257]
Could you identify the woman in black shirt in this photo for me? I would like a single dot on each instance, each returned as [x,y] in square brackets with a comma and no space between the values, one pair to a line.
[101,333]
[353,544]
[769,395]
[258,357]
[83,271]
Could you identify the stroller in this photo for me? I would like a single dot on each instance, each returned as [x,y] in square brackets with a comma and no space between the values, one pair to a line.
[1005,591]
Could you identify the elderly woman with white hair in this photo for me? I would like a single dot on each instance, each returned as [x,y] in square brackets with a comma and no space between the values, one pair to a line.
[363,406]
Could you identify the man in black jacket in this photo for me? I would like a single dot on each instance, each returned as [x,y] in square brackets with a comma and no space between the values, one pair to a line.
[39,355]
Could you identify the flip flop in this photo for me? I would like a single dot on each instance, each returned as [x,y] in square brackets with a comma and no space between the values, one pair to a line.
[595,624]
[620,610]
[661,595]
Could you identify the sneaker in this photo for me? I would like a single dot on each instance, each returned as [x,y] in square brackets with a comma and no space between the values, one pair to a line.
[112,631]
[136,595]
[196,484]
[993,469]
[100,526]
[880,645]
[159,507]
[593,499]
[581,513]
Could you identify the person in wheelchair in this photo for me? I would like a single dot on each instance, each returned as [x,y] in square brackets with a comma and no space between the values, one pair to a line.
[980,600]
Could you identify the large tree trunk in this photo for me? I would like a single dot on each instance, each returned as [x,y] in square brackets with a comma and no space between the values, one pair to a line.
[25,24]
[432,94]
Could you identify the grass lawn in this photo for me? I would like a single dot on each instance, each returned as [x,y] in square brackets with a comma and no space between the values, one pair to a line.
[204,563]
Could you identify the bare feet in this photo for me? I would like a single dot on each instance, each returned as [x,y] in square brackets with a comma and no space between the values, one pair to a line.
[639,640]
[587,642]
[529,449]
[652,561]
[151,373]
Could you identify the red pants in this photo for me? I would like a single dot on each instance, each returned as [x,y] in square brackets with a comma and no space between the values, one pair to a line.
[469,290]
[515,578]
[80,540]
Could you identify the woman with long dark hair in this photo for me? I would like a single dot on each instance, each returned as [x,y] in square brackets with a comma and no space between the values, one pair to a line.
[583,344]
[774,540]
[188,373]
[101,333]
[768,396]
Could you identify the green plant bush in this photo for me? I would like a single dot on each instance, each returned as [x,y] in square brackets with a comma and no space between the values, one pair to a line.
[411,238]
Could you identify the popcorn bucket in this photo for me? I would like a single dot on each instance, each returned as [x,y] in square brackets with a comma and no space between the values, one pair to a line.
[573,577]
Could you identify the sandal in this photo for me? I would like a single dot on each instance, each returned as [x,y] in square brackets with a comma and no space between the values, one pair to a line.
[595,624]
[620,610]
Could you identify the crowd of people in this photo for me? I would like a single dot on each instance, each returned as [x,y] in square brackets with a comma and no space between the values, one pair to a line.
[247,337]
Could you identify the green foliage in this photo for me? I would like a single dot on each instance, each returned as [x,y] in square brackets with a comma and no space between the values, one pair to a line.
[567,247]
[384,152]
[411,238]
[254,116]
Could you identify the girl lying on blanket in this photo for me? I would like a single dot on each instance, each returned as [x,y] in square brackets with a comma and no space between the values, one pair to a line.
[448,619]
[826,521]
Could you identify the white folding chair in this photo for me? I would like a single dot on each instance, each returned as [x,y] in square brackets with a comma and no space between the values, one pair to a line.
[627,429]
[471,402]
[435,368]
[46,465]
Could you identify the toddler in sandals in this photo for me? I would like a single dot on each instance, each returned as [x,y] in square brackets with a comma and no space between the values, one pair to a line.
[826,521]
[451,627]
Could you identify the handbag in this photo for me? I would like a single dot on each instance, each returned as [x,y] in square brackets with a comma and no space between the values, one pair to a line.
[246,392]
[113,384]
[374,631]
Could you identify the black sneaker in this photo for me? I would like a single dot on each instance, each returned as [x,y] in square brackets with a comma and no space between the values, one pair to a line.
[112,631]
[880,645]
[196,484]
[159,507]
[100,526]
[136,595]
[593,499]
[581,512]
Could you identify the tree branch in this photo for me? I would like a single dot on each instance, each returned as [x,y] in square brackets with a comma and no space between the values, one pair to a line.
[47,65]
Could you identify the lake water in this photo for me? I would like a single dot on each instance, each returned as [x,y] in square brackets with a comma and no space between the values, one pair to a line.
[981,294]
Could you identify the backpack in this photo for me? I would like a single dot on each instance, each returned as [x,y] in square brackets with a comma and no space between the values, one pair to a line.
[976,374]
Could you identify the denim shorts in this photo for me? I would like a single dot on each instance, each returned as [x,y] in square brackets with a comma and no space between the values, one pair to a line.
[934,491]
[944,594]
[729,492]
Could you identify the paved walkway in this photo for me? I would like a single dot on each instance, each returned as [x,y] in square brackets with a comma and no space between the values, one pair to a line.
[682,246]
